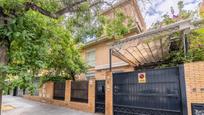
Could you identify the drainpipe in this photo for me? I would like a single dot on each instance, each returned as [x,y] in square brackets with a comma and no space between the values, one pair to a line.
[110,60]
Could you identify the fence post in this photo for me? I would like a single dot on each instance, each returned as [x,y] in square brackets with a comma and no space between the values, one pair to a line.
[91,95]
[109,94]
[47,90]
[41,89]
[68,91]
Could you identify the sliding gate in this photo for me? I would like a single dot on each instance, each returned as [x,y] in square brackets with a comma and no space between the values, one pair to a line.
[150,92]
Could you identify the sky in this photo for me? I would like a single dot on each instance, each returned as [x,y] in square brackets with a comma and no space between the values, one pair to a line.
[154,10]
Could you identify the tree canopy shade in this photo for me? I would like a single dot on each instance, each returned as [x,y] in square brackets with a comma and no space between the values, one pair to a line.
[41,36]
[34,37]
[38,35]
[37,39]
[195,39]
[172,18]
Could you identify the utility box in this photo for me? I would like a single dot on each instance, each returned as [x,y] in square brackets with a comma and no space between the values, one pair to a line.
[198,109]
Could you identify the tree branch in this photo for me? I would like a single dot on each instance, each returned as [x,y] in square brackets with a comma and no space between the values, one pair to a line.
[100,2]
[3,16]
[69,8]
[33,6]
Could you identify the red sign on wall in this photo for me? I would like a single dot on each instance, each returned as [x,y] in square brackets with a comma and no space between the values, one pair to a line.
[142,78]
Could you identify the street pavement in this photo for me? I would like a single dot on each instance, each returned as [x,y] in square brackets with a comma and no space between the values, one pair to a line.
[26,107]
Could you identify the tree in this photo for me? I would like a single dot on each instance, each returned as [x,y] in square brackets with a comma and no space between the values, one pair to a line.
[168,19]
[195,39]
[25,33]
[36,35]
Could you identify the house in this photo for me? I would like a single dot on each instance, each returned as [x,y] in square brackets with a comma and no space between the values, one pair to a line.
[96,52]
[126,90]
[202,8]
[81,94]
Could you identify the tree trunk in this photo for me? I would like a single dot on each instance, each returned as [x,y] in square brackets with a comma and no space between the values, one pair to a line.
[4,46]
[73,76]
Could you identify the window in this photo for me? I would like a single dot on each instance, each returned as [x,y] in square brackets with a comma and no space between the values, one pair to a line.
[91,58]
[79,91]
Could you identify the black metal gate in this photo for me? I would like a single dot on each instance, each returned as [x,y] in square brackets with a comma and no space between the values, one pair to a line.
[149,92]
[100,96]
[59,90]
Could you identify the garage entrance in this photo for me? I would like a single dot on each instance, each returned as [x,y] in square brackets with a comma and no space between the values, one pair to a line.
[148,92]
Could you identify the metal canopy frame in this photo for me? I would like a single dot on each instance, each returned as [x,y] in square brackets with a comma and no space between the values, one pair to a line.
[151,46]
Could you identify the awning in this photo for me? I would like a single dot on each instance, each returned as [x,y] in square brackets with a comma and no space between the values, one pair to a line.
[151,46]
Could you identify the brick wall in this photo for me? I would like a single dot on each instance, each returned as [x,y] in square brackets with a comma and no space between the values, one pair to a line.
[194,77]
[109,94]
[46,90]
[46,96]
[90,106]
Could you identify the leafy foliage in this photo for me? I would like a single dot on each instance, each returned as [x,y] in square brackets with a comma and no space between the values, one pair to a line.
[40,40]
[195,40]
[195,52]
[87,25]
[116,27]
[38,43]
[45,79]
[168,19]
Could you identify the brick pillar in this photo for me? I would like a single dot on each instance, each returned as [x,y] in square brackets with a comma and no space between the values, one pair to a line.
[41,91]
[68,91]
[46,90]
[91,95]
[49,86]
[194,78]
[109,94]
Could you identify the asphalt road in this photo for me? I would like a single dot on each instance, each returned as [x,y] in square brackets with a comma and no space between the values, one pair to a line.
[26,107]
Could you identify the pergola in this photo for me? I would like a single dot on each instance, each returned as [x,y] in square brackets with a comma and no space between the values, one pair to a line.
[152,46]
